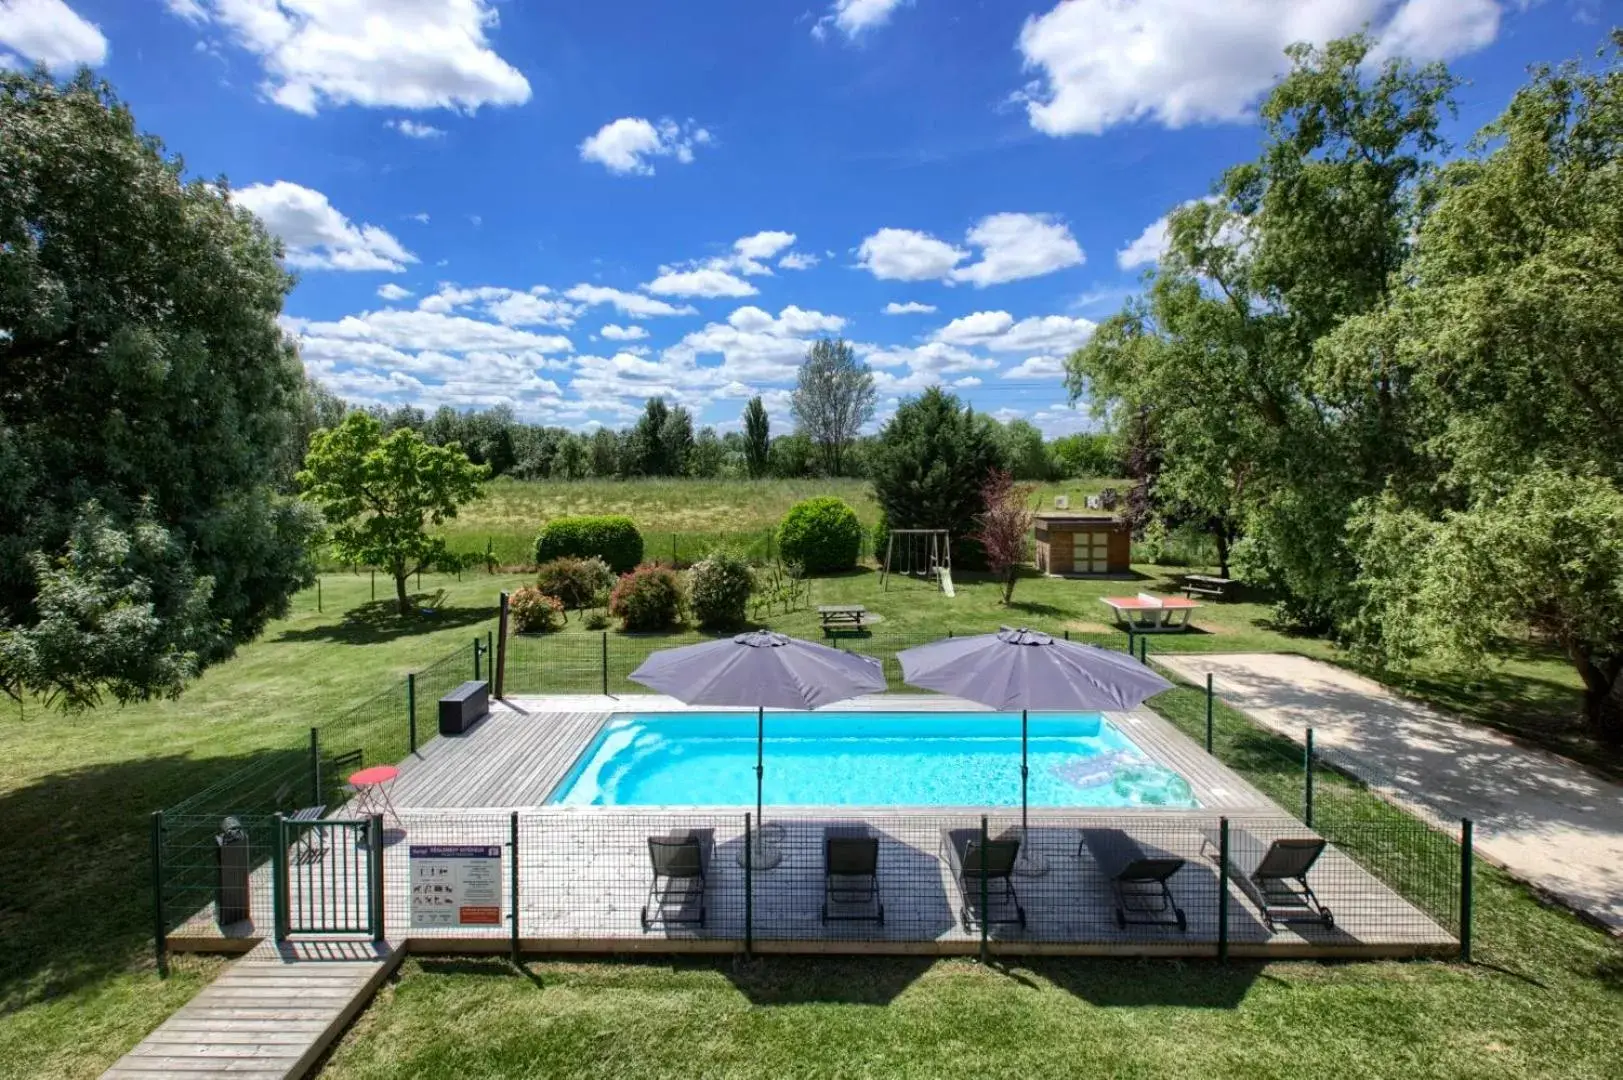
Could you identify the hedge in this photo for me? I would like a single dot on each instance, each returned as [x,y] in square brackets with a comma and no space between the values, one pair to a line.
[822,534]
[611,537]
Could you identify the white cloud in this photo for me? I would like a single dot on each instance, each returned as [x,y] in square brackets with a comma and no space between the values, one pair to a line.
[907,255]
[791,321]
[316,235]
[975,329]
[966,382]
[1038,367]
[420,218]
[998,332]
[798,260]
[375,53]
[763,245]
[925,365]
[1012,247]
[912,307]
[434,331]
[1150,246]
[853,17]
[391,291]
[625,145]
[706,282]
[535,306]
[1100,63]
[51,33]
[413,130]
[636,305]
[623,333]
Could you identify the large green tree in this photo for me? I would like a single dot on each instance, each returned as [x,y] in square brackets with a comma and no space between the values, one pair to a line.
[1509,332]
[1220,352]
[757,438]
[148,407]
[382,493]
[928,467]
[833,397]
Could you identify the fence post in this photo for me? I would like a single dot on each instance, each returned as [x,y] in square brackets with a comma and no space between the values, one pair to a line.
[160,934]
[315,766]
[749,889]
[1208,712]
[1307,781]
[318,594]
[477,646]
[374,864]
[981,855]
[1223,888]
[1067,634]
[490,656]
[605,663]
[411,709]
[1144,648]
[279,882]
[374,584]
[512,883]
[501,648]
[1467,865]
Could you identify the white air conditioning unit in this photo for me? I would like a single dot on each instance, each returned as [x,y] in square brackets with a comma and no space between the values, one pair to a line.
[1094,503]
[1062,502]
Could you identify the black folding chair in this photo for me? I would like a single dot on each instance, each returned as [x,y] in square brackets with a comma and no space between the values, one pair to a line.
[1137,877]
[851,875]
[681,865]
[972,864]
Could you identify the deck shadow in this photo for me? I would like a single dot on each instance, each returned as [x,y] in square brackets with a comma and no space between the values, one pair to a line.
[1133,984]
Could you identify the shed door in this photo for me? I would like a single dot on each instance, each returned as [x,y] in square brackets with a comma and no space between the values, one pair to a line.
[1093,552]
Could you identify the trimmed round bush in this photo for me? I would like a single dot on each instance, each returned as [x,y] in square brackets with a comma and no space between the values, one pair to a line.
[719,590]
[576,582]
[822,534]
[648,598]
[534,612]
[610,537]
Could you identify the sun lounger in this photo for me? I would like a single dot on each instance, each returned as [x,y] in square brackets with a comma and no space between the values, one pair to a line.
[681,865]
[995,866]
[1274,875]
[1138,878]
[851,876]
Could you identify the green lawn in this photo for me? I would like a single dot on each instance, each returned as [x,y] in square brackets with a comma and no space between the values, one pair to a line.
[77,988]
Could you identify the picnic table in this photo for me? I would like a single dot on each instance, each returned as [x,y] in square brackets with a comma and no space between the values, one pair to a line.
[841,616]
[1147,614]
[1207,585]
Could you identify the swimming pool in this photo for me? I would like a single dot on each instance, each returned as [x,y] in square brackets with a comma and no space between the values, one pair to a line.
[866,759]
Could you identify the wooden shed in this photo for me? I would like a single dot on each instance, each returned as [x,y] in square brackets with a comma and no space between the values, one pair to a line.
[1070,543]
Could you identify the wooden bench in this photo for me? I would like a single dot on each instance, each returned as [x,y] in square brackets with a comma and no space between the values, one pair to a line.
[464,706]
[1205,585]
[836,617]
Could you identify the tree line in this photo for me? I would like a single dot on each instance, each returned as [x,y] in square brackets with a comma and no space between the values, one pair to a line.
[1389,378]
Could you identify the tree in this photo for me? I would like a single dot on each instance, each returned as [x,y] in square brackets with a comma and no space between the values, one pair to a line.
[572,460]
[709,455]
[1022,448]
[833,398]
[676,443]
[1509,335]
[1004,526]
[1254,427]
[380,494]
[928,466]
[605,453]
[757,438]
[1088,453]
[792,456]
[149,408]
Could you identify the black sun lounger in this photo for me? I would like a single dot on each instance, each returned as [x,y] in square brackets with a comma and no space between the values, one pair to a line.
[1138,878]
[1274,875]
[681,863]
[851,875]
[995,866]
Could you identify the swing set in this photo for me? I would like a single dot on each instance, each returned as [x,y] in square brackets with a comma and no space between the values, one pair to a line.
[921,553]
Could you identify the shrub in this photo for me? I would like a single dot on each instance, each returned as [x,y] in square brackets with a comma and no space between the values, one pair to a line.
[597,620]
[534,612]
[611,537]
[719,590]
[822,534]
[577,582]
[648,598]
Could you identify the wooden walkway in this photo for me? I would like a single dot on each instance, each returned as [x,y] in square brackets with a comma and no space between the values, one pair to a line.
[268,1017]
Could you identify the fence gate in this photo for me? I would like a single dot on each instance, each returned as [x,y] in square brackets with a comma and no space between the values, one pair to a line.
[328,877]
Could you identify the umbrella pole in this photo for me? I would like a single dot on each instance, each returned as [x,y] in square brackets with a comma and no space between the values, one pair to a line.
[1029,864]
[766,853]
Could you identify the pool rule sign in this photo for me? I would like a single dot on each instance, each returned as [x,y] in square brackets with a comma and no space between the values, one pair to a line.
[456,885]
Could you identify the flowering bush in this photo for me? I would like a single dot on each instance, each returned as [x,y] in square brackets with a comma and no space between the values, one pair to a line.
[720,589]
[648,598]
[534,612]
[576,582]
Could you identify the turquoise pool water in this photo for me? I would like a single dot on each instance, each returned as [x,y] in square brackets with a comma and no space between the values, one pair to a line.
[866,759]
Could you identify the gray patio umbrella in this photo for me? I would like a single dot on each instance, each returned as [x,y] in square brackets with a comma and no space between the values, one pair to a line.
[762,669]
[1026,669]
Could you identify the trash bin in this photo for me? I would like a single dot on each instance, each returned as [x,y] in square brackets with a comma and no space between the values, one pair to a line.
[231,883]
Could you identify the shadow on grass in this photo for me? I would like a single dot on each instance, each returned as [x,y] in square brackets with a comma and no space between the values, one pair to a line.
[1132,984]
[380,620]
[82,838]
[858,980]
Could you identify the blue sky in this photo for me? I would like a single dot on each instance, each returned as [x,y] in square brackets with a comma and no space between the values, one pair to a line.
[570,207]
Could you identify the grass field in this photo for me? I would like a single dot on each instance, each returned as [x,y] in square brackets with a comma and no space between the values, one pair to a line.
[77,987]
